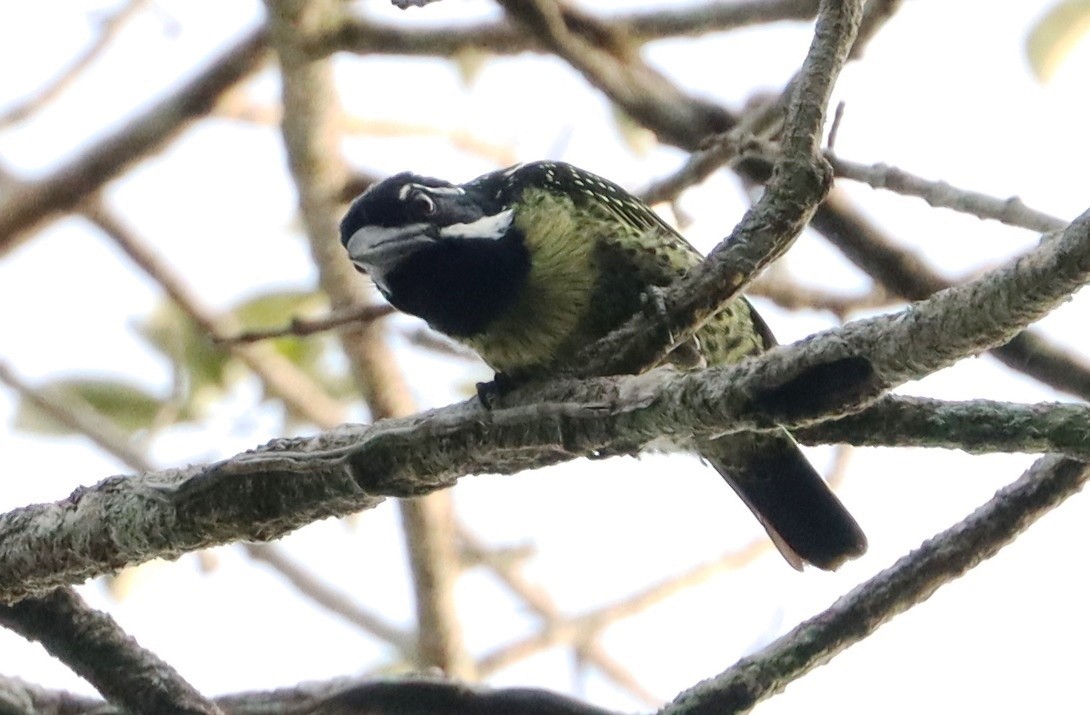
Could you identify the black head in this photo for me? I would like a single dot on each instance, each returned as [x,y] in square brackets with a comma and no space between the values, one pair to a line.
[449,254]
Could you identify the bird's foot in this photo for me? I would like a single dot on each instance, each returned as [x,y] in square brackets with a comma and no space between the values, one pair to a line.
[490,393]
[653,304]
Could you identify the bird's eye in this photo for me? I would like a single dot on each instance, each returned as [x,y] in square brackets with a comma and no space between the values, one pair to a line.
[421,204]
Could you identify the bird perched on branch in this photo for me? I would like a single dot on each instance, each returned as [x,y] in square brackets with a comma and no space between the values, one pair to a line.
[530,264]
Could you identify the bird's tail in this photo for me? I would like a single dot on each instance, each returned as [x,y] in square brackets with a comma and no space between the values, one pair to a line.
[801,514]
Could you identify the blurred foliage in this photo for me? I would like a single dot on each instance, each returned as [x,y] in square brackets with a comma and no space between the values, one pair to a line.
[1055,34]
[203,371]
[129,406]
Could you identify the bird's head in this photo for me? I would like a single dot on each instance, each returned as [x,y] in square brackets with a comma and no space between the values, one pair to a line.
[447,253]
[407,214]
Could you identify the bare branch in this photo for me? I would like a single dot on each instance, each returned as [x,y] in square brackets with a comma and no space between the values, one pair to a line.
[309,326]
[109,28]
[940,194]
[904,273]
[93,645]
[343,696]
[27,205]
[799,182]
[282,377]
[332,600]
[81,418]
[974,426]
[356,34]
[907,583]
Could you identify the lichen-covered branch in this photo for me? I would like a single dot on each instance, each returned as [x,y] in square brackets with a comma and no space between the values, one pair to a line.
[799,182]
[910,581]
[974,426]
[94,646]
[263,494]
[901,271]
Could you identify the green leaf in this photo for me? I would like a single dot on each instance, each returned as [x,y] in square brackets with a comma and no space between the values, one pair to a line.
[1053,37]
[470,62]
[130,407]
[201,364]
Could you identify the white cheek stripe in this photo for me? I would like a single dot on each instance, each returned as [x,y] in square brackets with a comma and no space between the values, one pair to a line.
[493,227]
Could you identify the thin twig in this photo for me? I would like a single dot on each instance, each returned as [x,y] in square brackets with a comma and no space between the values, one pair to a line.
[1011,211]
[309,326]
[334,601]
[509,572]
[298,390]
[81,418]
[28,205]
[109,28]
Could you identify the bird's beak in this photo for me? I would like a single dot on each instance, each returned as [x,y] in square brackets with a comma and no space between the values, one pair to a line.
[377,249]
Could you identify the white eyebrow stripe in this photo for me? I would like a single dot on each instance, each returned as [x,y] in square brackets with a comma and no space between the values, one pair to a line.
[404,191]
[493,227]
[448,190]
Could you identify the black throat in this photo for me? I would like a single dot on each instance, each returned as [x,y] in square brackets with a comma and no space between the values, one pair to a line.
[459,286]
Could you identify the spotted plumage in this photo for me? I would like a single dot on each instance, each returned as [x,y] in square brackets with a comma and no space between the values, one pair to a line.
[530,264]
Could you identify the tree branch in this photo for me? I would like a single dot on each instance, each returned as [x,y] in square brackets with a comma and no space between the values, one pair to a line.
[799,182]
[974,426]
[906,274]
[311,127]
[27,205]
[94,646]
[910,581]
[263,494]
[358,35]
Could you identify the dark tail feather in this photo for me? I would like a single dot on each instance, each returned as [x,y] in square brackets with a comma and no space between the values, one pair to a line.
[798,510]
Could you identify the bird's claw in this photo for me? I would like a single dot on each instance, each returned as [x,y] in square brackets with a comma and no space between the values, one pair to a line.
[491,392]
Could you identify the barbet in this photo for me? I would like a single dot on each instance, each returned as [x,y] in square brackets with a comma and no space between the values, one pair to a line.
[530,264]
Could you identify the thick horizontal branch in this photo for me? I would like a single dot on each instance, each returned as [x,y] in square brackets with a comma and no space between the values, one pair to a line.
[974,426]
[268,492]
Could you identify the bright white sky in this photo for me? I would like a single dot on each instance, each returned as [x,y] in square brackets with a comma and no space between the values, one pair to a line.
[944,92]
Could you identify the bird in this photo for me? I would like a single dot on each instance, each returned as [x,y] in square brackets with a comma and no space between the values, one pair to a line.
[528,265]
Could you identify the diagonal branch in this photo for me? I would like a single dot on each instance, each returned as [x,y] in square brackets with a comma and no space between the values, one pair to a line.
[29,204]
[799,182]
[901,271]
[910,581]
[108,32]
[95,647]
